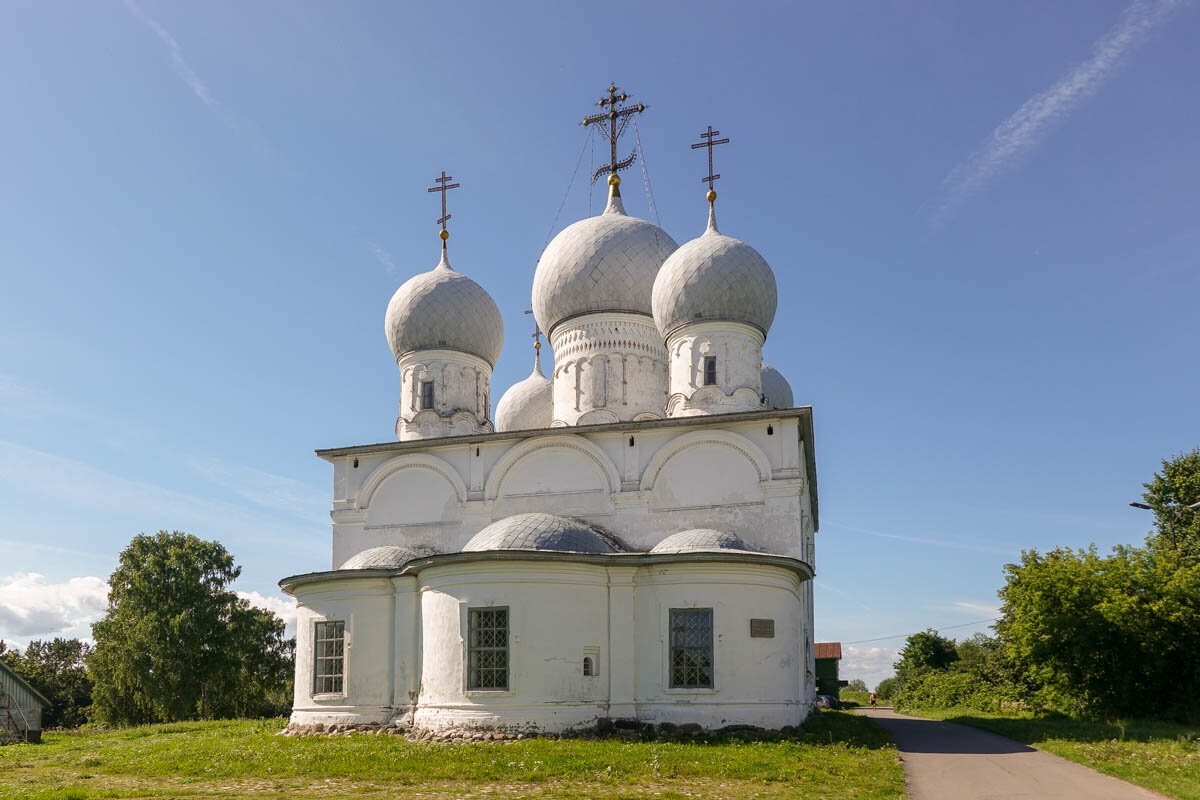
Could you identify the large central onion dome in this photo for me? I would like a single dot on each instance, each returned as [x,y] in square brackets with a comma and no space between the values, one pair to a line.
[604,263]
[714,277]
[528,404]
[444,310]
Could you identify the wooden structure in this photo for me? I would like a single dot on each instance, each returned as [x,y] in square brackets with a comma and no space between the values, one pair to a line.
[20,708]
[827,655]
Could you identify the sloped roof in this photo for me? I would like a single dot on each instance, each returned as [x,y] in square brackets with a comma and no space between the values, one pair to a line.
[828,650]
[21,681]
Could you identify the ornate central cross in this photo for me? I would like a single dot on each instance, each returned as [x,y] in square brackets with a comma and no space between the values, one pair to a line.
[617,119]
[443,186]
[710,143]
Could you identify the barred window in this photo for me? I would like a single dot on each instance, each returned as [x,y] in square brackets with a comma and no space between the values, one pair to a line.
[691,648]
[426,395]
[329,667]
[487,657]
[710,370]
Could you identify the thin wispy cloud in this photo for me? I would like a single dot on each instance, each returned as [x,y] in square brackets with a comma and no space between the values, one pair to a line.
[266,489]
[1033,121]
[953,544]
[383,257]
[973,609]
[62,481]
[181,67]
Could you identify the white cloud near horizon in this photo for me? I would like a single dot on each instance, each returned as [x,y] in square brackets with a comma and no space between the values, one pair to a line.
[981,610]
[1032,122]
[282,607]
[32,607]
[871,663]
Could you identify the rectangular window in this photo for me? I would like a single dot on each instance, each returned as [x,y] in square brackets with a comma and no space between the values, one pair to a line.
[329,639]
[691,648]
[710,370]
[487,656]
[426,395]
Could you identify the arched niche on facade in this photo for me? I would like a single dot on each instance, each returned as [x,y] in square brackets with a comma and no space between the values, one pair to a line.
[569,466]
[412,490]
[716,468]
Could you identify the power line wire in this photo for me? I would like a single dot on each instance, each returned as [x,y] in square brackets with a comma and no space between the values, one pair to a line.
[938,630]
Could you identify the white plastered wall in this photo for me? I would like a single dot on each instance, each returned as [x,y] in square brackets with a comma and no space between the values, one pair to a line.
[608,367]
[737,348]
[461,395]
[560,612]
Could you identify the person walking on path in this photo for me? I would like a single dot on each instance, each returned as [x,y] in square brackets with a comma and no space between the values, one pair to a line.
[872,699]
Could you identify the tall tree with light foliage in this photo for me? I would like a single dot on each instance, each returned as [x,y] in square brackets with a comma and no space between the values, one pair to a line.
[177,644]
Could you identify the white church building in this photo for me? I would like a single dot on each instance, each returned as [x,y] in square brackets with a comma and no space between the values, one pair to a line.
[630,538]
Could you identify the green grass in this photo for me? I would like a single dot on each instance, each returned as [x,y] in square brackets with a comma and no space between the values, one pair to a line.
[836,756]
[1163,756]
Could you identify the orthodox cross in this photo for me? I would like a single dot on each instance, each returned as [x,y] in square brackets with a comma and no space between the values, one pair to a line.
[710,143]
[537,332]
[617,119]
[444,186]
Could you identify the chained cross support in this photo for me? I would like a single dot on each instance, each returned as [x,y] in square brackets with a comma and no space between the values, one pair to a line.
[617,119]
[710,143]
[444,186]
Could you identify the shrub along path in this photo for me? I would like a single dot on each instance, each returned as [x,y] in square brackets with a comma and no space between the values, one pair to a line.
[836,756]
[944,761]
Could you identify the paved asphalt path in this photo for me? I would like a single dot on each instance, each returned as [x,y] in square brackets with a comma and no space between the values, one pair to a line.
[944,761]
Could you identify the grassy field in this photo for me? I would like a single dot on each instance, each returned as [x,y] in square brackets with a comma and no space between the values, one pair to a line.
[837,756]
[1163,756]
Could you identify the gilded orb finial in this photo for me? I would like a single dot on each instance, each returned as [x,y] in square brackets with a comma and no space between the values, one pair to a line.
[445,234]
[711,195]
[614,180]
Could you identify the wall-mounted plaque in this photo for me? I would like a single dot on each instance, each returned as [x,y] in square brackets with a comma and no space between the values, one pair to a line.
[762,628]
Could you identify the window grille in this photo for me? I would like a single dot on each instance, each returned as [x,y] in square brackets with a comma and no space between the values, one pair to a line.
[329,667]
[691,648]
[487,659]
[426,395]
[588,669]
[710,370]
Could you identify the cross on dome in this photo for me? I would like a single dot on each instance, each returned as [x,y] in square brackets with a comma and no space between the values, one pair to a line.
[710,143]
[617,119]
[444,186]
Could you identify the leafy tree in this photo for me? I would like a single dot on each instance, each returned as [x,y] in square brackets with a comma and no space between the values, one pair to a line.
[56,669]
[887,688]
[1105,635]
[857,685]
[1169,495]
[922,652]
[177,644]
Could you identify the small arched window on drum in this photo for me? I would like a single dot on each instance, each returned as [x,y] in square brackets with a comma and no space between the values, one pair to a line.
[589,667]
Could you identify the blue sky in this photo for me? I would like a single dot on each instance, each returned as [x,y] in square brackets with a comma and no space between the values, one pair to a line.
[984,221]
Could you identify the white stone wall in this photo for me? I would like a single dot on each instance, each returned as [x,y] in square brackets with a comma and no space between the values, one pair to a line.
[559,612]
[461,395]
[747,477]
[738,350]
[608,367]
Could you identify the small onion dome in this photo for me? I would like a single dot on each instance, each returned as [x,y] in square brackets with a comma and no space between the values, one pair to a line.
[529,404]
[539,531]
[604,263]
[388,556]
[714,277]
[776,391]
[444,310]
[701,539]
